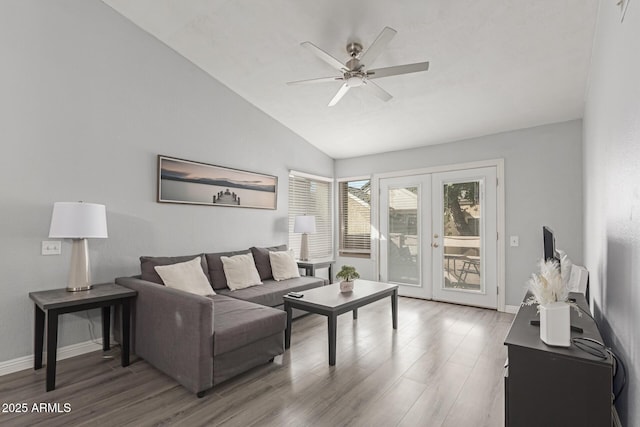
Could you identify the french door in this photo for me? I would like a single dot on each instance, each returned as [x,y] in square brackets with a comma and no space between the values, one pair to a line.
[438,235]
[405,225]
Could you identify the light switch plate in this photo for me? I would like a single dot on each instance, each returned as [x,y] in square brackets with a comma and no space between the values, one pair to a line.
[514,241]
[51,247]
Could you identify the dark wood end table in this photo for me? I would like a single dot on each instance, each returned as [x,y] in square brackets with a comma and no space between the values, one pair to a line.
[311,265]
[329,301]
[55,302]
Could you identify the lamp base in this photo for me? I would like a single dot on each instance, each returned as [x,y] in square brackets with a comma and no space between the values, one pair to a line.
[304,247]
[79,273]
[84,288]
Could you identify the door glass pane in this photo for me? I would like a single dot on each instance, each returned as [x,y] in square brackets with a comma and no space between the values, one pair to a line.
[403,246]
[462,219]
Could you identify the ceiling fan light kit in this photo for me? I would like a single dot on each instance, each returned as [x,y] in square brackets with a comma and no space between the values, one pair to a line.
[354,71]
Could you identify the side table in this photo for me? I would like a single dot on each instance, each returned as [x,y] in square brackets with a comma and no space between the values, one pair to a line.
[311,265]
[55,302]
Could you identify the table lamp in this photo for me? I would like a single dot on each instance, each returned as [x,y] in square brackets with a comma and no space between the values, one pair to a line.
[304,224]
[78,221]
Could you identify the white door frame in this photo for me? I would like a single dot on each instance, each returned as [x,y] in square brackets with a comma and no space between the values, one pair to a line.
[497,163]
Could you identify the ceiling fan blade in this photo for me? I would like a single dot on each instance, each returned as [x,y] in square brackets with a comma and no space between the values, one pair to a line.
[377,90]
[343,90]
[312,81]
[324,56]
[378,46]
[398,69]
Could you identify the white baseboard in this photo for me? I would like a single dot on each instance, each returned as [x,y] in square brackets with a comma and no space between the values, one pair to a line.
[26,362]
[513,309]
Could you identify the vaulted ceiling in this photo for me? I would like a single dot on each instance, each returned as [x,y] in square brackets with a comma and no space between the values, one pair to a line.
[495,65]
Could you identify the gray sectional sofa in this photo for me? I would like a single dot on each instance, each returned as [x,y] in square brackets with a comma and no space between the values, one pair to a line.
[202,341]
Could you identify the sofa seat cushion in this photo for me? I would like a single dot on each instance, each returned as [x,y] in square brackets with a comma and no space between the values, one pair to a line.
[270,292]
[237,323]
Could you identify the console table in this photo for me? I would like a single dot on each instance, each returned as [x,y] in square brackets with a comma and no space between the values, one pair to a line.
[555,385]
[55,302]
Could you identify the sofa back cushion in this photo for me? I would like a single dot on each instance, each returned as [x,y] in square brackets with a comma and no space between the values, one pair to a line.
[261,258]
[148,264]
[216,270]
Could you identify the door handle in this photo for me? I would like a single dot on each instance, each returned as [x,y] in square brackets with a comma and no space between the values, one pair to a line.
[435,245]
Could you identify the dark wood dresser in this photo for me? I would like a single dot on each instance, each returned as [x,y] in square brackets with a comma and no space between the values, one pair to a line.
[555,386]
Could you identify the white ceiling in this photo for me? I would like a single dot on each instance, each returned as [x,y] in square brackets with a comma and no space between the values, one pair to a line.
[495,65]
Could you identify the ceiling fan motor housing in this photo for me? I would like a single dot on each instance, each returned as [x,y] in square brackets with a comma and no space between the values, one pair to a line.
[354,49]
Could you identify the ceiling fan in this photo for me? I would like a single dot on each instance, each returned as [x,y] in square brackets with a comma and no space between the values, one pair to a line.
[355,72]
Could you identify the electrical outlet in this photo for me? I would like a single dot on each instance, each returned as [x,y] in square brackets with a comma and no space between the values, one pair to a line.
[514,241]
[51,247]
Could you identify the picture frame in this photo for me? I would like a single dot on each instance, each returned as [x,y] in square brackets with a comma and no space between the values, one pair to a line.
[195,183]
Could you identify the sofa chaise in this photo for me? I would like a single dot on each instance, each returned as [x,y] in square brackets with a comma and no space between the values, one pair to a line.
[201,341]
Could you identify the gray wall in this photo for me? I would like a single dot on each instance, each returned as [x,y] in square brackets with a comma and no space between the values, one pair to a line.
[543,186]
[87,102]
[612,191]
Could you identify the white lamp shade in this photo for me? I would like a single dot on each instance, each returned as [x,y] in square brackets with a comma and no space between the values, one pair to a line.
[304,224]
[78,220]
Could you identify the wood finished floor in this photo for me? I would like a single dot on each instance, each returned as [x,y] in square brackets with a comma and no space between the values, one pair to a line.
[442,367]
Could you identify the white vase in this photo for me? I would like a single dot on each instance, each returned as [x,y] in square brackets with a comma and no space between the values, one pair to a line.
[346,286]
[555,324]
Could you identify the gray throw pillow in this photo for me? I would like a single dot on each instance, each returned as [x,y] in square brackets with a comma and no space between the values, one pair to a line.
[261,258]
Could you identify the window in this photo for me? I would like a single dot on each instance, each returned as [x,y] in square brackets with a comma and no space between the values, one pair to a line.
[311,195]
[355,217]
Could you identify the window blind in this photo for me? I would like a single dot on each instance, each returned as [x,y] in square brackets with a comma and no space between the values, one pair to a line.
[355,217]
[309,195]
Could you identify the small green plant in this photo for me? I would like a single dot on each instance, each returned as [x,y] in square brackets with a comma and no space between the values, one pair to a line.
[348,273]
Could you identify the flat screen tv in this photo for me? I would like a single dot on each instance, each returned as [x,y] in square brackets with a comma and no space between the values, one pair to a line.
[549,244]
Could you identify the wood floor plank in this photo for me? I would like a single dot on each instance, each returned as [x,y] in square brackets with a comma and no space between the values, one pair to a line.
[434,404]
[441,367]
[349,404]
[390,407]
[481,391]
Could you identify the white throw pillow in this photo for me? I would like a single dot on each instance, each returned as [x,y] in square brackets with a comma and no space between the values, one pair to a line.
[186,276]
[283,265]
[240,271]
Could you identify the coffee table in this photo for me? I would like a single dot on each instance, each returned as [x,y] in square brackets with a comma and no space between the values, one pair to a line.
[329,301]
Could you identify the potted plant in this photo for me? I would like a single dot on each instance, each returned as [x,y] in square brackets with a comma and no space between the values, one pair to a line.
[550,293]
[347,273]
